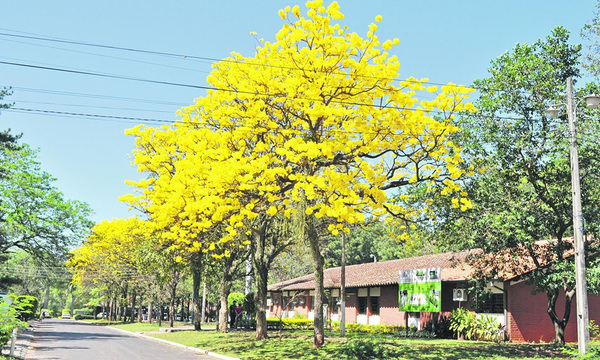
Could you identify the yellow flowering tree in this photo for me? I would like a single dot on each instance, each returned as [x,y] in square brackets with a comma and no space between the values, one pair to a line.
[316,120]
[109,258]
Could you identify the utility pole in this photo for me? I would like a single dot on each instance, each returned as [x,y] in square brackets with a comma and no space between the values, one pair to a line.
[343,288]
[583,334]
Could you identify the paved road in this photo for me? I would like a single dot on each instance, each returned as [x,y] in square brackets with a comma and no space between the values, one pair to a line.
[69,339]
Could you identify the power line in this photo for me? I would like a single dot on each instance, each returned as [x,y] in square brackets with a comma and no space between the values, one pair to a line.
[111,76]
[98,116]
[17,101]
[190,86]
[95,96]
[183,56]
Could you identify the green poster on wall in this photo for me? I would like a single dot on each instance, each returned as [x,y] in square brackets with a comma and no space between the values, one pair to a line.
[419,290]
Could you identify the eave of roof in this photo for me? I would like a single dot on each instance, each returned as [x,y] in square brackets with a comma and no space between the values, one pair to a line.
[453,265]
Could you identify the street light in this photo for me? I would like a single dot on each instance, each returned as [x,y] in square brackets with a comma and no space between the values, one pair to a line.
[592,102]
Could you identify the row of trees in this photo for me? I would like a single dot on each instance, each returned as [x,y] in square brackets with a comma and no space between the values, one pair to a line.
[38,227]
[311,135]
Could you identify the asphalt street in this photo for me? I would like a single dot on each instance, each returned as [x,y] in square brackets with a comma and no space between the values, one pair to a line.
[68,339]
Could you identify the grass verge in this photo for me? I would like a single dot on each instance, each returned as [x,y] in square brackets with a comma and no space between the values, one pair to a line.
[298,344]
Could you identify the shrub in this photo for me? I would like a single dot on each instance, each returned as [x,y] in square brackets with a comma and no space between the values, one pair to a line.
[372,329]
[9,319]
[289,324]
[462,322]
[250,305]
[25,306]
[238,297]
[487,328]
[467,324]
[366,349]
[83,317]
[440,327]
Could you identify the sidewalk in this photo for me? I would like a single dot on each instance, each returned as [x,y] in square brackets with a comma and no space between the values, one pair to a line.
[24,337]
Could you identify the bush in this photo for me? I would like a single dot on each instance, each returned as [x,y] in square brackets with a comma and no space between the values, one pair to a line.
[238,297]
[467,324]
[83,317]
[84,311]
[366,349]
[25,306]
[372,329]
[289,324]
[249,305]
[441,328]
[9,319]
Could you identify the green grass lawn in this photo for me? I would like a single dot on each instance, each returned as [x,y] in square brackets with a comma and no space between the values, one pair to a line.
[298,345]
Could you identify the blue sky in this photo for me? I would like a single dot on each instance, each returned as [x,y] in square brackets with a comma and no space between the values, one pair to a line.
[443,40]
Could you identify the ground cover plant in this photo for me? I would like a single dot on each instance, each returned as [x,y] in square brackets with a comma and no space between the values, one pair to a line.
[297,344]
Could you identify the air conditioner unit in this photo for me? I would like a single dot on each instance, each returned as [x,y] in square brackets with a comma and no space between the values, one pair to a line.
[459,295]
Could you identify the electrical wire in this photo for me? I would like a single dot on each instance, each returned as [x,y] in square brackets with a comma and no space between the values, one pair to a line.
[62,113]
[184,56]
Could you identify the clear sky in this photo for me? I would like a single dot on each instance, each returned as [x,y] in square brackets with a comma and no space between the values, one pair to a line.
[443,40]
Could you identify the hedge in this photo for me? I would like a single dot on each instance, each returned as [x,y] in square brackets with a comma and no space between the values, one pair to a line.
[372,329]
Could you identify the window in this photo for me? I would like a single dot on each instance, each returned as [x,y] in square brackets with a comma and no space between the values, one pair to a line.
[287,303]
[492,303]
[335,304]
[312,303]
[362,305]
[375,305]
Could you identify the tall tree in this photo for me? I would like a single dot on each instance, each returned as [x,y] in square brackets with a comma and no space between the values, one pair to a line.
[314,120]
[522,193]
[34,216]
[591,32]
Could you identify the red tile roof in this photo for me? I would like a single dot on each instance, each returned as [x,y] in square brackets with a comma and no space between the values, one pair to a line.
[453,265]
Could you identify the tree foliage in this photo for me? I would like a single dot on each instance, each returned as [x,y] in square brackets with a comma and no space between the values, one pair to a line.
[315,121]
[522,193]
[34,216]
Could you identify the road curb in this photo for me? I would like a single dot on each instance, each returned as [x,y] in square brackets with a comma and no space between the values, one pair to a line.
[190,348]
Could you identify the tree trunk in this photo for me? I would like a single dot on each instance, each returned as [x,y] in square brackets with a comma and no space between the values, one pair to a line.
[160,313]
[559,324]
[141,302]
[182,309]
[196,279]
[224,289]
[261,274]
[172,300]
[133,300]
[47,297]
[315,249]
[203,300]
[150,312]
[72,308]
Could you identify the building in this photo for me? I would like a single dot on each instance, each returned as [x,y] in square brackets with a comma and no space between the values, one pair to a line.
[372,297]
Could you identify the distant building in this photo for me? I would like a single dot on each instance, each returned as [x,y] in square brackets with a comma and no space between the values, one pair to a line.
[372,297]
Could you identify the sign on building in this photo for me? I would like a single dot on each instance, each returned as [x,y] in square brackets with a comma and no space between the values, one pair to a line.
[419,290]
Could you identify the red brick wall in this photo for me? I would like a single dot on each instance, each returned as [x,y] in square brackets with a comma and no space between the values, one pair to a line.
[388,308]
[529,321]
[351,306]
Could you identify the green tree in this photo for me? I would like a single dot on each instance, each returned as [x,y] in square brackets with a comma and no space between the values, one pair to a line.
[591,32]
[375,240]
[522,192]
[34,216]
